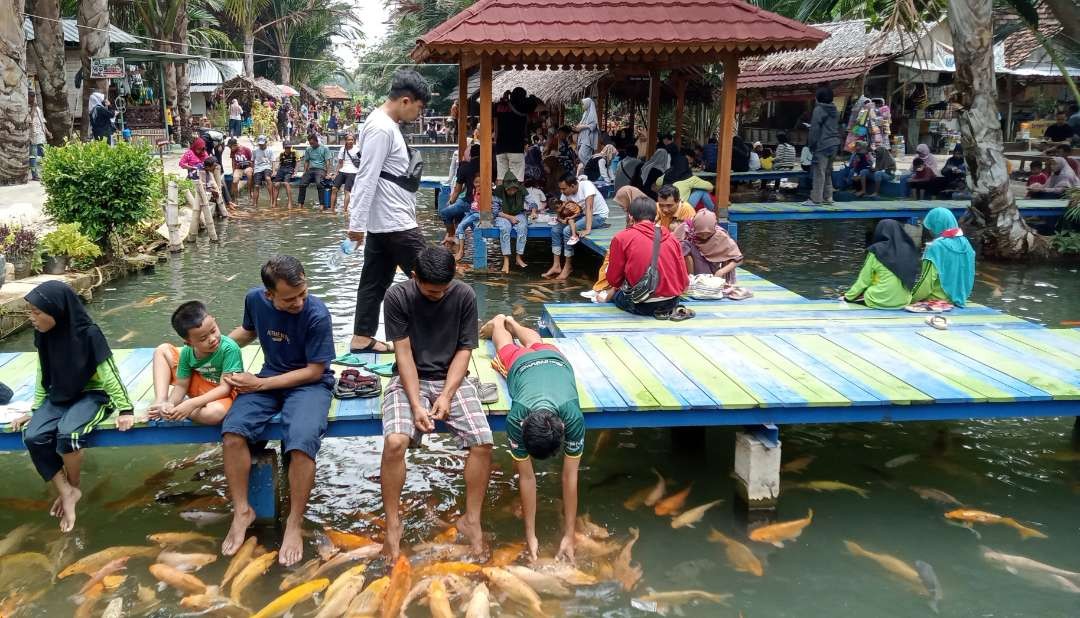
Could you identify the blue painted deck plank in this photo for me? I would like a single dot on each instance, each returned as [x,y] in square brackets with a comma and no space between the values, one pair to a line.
[1024,350]
[731,309]
[676,381]
[6,357]
[748,374]
[596,383]
[1038,363]
[1058,340]
[939,389]
[858,394]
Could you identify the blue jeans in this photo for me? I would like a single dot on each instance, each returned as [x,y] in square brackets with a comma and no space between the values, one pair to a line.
[520,224]
[235,127]
[467,223]
[850,175]
[560,234]
[454,212]
[879,177]
[701,196]
[36,152]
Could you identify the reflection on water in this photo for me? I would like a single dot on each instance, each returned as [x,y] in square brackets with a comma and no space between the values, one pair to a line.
[1020,468]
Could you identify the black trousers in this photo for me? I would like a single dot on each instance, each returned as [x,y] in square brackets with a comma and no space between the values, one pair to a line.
[383,254]
[55,430]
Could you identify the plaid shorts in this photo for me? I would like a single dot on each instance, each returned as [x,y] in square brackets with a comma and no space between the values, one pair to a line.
[467,420]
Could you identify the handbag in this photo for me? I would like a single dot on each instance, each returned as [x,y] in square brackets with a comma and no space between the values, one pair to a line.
[643,290]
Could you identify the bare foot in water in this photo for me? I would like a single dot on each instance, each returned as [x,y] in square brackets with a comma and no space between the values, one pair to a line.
[392,546]
[69,498]
[520,262]
[489,326]
[564,275]
[553,271]
[506,266]
[57,509]
[242,520]
[292,544]
[473,533]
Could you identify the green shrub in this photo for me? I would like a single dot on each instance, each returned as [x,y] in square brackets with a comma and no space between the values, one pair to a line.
[1066,243]
[103,188]
[67,240]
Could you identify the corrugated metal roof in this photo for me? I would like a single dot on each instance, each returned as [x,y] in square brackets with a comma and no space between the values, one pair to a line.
[537,28]
[214,71]
[71,33]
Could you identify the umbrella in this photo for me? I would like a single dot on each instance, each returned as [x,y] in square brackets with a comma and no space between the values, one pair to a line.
[288,91]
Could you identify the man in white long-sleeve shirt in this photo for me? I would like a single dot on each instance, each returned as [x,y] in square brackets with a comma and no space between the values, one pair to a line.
[380,211]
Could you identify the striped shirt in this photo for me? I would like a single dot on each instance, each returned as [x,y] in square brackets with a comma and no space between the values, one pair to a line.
[785,157]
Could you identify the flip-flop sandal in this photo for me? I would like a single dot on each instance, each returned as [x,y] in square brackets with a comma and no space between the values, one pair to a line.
[573,241]
[385,370]
[367,391]
[370,347]
[737,293]
[920,307]
[349,359]
[939,322]
[660,314]
[682,312]
[489,393]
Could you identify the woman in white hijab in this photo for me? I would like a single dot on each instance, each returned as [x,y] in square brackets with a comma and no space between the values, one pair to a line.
[101,126]
[588,131]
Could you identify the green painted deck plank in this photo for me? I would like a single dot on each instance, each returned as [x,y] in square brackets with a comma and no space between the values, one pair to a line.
[857,369]
[1006,363]
[638,378]
[709,377]
[750,373]
[20,372]
[629,323]
[1051,341]
[1026,346]
[481,361]
[252,355]
[816,392]
[725,306]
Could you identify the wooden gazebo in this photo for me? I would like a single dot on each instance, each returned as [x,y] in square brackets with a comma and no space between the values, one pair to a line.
[641,37]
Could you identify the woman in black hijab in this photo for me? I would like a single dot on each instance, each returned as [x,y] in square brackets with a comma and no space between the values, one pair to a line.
[890,270]
[78,386]
[680,165]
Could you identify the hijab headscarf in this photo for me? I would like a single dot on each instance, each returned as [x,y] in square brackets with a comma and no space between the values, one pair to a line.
[661,161]
[198,146]
[680,165]
[717,247]
[588,118]
[928,158]
[627,194]
[893,247]
[951,254]
[1063,175]
[609,152]
[96,98]
[72,350]
[511,204]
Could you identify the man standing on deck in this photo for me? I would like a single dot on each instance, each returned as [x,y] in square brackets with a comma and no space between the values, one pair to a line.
[381,210]
[296,336]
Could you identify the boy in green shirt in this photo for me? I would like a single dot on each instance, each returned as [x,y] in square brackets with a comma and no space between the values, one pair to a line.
[544,414]
[195,371]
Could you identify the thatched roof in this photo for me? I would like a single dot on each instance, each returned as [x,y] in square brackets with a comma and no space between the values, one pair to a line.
[557,87]
[334,92]
[261,85]
[848,46]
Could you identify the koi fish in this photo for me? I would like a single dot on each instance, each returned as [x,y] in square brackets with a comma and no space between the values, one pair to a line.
[116,565]
[92,563]
[16,537]
[694,515]
[931,583]
[369,601]
[982,517]
[542,583]
[592,530]
[446,536]
[176,539]
[439,600]
[935,495]
[506,554]
[340,593]
[891,564]
[346,540]
[447,568]
[254,570]
[281,605]
[299,575]
[741,558]
[798,465]
[664,602]
[360,553]
[186,562]
[566,572]
[517,590]
[896,462]
[832,486]
[400,581]
[626,572]
[202,519]
[479,603]
[240,560]
[673,503]
[183,582]
[776,534]
[657,492]
[593,548]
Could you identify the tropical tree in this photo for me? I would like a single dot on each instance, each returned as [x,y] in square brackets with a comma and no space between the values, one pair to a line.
[250,17]
[314,23]
[47,50]
[14,111]
[93,22]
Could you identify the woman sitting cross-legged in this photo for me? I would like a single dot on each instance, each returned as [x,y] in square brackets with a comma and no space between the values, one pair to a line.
[889,271]
[948,263]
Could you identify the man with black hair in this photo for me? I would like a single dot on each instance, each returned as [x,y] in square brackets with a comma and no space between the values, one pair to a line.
[381,211]
[297,340]
[544,415]
[431,320]
[630,257]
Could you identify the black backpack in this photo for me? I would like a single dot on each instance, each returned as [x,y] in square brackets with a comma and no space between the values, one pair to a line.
[410,180]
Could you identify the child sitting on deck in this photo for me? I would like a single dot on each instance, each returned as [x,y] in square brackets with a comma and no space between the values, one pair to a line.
[78,386]
[707,247]
[544,415]
[195,371]
[471,219]
[1037,178]
[922,181]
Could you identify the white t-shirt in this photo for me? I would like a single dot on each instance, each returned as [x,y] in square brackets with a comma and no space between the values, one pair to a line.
[377,204]
[584,190]
[348,167]
[263,159]
[236,112]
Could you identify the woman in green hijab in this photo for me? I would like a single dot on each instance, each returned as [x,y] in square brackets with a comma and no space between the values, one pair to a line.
[948,264]
[513,216]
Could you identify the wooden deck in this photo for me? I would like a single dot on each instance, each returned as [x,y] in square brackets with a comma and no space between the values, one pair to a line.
[739,177]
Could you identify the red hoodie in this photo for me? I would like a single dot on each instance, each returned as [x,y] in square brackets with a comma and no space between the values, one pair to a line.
[631,252]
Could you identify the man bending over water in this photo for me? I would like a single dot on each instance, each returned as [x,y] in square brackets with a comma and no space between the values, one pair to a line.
[431,319]
[544,415]
[296,336]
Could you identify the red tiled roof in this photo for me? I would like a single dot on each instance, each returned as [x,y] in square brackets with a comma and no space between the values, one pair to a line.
[750,79]
[569,31]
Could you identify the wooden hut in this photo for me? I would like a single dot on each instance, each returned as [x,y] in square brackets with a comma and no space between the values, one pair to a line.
[639,36]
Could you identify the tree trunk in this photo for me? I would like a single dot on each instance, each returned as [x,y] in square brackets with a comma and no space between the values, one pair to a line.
[14,108]
[47,50]
[183,82]
[249,54]
[999,228]
[281,37]
[93,21]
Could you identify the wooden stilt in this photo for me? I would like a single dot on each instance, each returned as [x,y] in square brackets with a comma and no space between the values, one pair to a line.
[480,257]
[206,213]
[680,108]
[463,112]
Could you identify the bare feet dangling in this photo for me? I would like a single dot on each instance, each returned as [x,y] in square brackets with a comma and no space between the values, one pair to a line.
[292,544]
[242,520]
[69,498]
[520,262]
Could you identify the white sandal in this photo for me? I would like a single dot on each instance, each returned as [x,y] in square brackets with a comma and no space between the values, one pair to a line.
[939,322]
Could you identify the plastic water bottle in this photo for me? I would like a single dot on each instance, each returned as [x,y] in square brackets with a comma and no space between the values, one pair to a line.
[347,247]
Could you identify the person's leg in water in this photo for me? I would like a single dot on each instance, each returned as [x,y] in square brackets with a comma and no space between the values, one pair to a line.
[522,227]
[556,250]
[570,231]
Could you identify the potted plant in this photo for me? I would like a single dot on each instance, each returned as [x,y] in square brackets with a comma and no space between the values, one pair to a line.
[64,244]
[20,247]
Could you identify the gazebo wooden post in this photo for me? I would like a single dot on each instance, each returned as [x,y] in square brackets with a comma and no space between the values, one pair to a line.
[480,245]
[680,108]
[601,103]
[654,111]
[727,128]
[463,111]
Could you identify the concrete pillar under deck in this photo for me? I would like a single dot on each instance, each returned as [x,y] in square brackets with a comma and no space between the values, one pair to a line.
[757,470]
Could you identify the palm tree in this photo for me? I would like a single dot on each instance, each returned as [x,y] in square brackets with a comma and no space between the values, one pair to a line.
[316,20]
[14,111]
[93,21]
[47,50]
[248,17]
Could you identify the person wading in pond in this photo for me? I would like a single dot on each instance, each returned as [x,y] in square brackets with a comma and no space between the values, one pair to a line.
[296,336]
[432,321]
[78,386]
[382,211]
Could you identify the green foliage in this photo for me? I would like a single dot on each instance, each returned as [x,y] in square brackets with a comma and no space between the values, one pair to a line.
[103,188]
[1072,211]
[67,240]
[263,119]
[1066,243]
[18,241]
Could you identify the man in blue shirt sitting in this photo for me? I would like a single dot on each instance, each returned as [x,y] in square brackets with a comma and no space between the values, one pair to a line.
[296,336]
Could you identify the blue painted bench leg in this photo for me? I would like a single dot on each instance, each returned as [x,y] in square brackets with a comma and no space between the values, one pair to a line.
[757,466]
[480,257]
[263,486]
[733,230]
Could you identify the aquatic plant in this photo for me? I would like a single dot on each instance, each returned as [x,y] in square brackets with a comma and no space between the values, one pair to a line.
[105,189]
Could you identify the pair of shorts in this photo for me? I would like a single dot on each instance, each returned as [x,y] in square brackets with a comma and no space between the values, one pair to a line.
[303,409]
[345,180]
[284,174]
[262,177]
[509,353]
[199,386]
[467,420]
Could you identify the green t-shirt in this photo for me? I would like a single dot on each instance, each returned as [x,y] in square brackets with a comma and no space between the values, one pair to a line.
[318,157]
[226,359]
[544,379]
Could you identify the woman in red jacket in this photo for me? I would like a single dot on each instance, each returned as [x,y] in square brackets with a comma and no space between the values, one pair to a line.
[630,255]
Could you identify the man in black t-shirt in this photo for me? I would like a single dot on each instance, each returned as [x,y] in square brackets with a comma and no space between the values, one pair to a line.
[432,321]
[286,167]
[511,132]
[1060,131]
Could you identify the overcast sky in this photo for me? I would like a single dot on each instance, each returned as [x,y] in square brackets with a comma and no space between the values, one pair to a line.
[372,16]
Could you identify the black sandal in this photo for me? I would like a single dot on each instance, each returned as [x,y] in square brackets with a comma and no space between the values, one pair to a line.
[681,312]
[370,347]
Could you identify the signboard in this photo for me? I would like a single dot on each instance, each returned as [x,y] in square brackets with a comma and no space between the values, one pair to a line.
[106,68]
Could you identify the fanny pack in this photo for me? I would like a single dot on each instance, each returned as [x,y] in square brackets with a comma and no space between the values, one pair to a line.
[410,180]
[643,290]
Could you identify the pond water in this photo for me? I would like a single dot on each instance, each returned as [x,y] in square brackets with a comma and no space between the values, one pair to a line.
[1023,468]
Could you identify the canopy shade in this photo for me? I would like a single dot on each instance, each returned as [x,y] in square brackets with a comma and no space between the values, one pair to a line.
[568,32]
